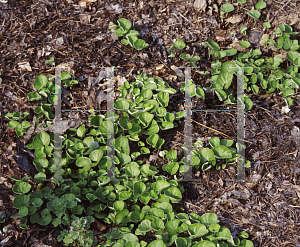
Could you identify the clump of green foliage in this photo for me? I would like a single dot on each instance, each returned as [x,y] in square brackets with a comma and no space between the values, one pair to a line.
[179,44]
[20,128]
[261,74]
[141,202]
[129,36]
[79,233]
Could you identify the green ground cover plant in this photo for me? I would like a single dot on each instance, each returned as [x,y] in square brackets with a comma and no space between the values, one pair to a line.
[131,36]
[179,44]
[261,74]
[141,203]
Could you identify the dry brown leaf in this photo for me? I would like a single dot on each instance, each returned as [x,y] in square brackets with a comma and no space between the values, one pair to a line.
[221,35]
[100,226]
[262,43]
[200,4]
[235,45]
[234,19]
[292,19]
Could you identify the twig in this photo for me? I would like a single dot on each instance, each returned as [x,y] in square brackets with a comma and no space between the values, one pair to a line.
[213,130]
[279,10]
[195,206]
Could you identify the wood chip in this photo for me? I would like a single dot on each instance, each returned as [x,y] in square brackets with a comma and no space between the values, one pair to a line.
[25,66]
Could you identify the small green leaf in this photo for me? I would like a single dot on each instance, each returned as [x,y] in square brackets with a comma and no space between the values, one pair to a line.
[34,96]
[227,7]
[124,41]
[248,104]
[255,14]
[179,44]
[40,82]
[40,177]
[267,24]
[124,24]
[21,187]
[21,201]
[260,5]
[140,44]
[13,124]
[244,44]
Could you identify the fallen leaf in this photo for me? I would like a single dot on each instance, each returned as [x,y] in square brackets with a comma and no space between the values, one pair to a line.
[221,35]
[200,4]
[100,226]
[234,19]
[235,45]
[292,19]
[263,43]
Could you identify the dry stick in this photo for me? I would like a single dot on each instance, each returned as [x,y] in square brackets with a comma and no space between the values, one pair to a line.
[217,131]
[272,19]
[213,129]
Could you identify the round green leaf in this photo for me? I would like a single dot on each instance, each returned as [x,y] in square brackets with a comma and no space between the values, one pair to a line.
[214,141]
[248,104]
[174,194]
[267,24]
[145,226]
[23,211]
[21,201]
[179,44]
[159,186]
[84,162]
[34,96]
[41,139]
[255,14]
[124,24]
[205,243]
[209,219]
[146,118]
[40,82]
[96,155]
[244,44]
[118,205]
[121,216]
[13,124]
[156,243]
[197,230]
[163,98]
[122,144]
[157,224]
[140,44]
[260,5]
[37,202]
[246,243]
[21,187]
[223,234]
[96,121]
[206,155]
[139,188]
[222,152]
[227,7]
[132,169]
[40,177]
[172,226]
